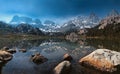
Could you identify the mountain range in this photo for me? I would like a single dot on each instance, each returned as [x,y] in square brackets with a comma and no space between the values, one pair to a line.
[92,23]
[19,29]
[80,22]
[51,26]
[16,20]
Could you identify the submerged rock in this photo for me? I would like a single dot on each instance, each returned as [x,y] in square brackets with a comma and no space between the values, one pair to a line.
[5,48]
[38,58]
[23,50]
[62,68]
[11,50]
[102,59]
[5,56]
[67,57]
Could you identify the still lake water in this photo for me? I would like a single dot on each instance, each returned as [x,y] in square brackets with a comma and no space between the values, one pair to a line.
[53,49]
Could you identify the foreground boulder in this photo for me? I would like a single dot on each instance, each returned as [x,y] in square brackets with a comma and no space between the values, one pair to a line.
[67,57]
[63,68]
[7,49]
[102,59]
[5,56]
[38,58]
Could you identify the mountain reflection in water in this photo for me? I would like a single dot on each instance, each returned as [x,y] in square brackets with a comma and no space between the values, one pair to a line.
[53,49]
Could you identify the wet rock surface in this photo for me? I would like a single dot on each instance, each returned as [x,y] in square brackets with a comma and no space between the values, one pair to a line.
[5,56]
[38,58]
[12,51]
[67,57]
[5,48]
[63,68]
[23,50]
[102,59]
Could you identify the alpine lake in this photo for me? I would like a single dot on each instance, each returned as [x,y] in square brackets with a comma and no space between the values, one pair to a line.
[53,49]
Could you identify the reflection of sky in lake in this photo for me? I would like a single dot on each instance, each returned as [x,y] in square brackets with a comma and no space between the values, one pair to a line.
[51,49]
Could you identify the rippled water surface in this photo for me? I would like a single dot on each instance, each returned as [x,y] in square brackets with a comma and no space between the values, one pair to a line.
[53,49]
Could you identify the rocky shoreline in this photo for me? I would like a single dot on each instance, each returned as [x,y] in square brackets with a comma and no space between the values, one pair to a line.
[103,60]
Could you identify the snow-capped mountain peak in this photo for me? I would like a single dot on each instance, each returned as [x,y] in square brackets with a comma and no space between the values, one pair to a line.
[86,21]
[77,22]
[50,26]
[16,20]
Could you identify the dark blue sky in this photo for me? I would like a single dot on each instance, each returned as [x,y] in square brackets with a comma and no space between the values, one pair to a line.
[55,8]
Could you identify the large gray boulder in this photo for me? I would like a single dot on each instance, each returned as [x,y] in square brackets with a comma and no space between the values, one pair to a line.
[63,68]
[102,59]
[5,56]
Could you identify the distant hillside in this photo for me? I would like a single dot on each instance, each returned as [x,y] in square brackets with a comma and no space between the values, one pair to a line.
[108,27]
[21,29]
[5,28]
[28,29]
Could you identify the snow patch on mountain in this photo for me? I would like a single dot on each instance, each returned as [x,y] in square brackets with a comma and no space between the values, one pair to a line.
[50,26]
[80,22]
[77,22]
[16,20]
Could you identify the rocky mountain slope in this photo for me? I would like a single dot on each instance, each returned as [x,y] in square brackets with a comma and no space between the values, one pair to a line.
[110,26]
[20,28]
[50,26]
[81,22]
